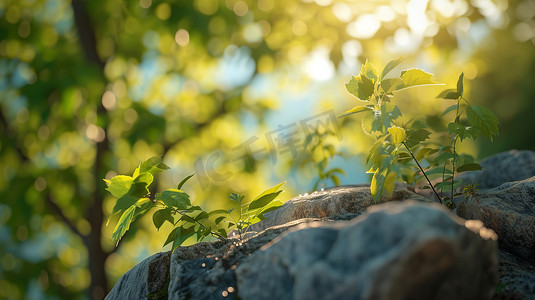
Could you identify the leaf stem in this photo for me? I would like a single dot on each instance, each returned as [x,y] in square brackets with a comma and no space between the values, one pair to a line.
[422,170]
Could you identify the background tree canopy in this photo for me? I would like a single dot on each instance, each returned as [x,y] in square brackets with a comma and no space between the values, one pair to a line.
[89,89]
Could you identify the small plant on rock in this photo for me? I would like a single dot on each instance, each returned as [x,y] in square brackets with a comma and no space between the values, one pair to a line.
[174,206]
[398,144]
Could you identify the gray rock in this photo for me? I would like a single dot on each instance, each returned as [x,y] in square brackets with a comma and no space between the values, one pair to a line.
[517,278]
[206,270]
[349,200]
[403,250]
[148,277]
[510,211]
[503,167]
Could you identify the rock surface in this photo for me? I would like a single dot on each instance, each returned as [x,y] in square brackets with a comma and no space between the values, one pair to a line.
[505,202]
[397,251]
[148,277]
[335,202]
[510,211]
[504,167]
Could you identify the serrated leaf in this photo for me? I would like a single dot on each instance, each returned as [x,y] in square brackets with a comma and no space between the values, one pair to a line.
[417,136]
[369,71]
[263,201]
[119,185]
[463,131]
[442,158]
[389,113]
[469,167]
[160,216]
[184,181]
[355,110]
[124,224]
[175,198]
[460,87]
[397,134]
[360,87]
[391,84]
[391,65]
[415,77]
[483,119]
[450,94]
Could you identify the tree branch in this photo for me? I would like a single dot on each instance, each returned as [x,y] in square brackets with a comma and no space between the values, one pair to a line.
[9,132]
[57,210]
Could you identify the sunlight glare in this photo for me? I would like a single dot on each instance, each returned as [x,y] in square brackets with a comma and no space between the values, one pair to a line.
[318,65]
[364,27]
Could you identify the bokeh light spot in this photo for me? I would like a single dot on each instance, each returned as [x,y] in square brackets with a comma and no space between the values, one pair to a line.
[109,100]
[182,37]
[163,11]
[207,7]
[364,27]
[240,8]
[299,28]
[40,184]
[145,3]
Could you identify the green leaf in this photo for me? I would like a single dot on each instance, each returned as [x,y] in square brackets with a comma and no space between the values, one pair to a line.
[270,190]
[379,177]
[438,170]
[425,152]
[416,136]
[218,212]
[367,122]
[483,119]
[389,112]
[390,180]
[391,84]
[355,110]
[178,236]
[263,201]
[460,85]
[219,219]
[336,180]
[145,178]
[463,131]
[124,223]
[442,158]
[369,71]
[184,181]
[119,185]
[469,167]
[415,77]
[153,165]
[391,65]
[160,216]
[270,207]
[397,134]
[451,108]
[202,216]
[360,87]
[449,94]
[175,198]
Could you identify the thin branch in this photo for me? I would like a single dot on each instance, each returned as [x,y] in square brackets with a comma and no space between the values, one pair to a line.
[59,212]
[422,170]
[9,132]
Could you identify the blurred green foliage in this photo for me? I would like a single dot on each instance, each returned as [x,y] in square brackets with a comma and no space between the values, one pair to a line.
[90,88]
